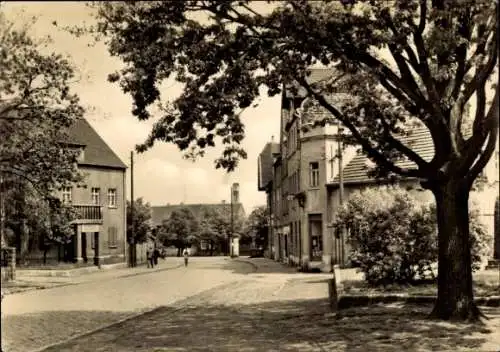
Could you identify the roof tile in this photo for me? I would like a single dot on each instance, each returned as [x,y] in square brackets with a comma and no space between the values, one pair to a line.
[96,152]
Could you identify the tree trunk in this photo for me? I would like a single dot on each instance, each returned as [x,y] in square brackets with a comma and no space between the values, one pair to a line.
[455,299]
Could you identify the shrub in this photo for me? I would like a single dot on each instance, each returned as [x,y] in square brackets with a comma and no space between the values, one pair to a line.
[394,237]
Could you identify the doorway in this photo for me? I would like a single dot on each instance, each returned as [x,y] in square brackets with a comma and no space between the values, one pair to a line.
[84,247]
[316,237]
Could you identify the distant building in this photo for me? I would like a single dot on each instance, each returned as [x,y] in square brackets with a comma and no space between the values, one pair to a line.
[303,192]
[162,213]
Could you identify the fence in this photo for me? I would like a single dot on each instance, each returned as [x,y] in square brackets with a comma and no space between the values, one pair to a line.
[8,263]
[341,248]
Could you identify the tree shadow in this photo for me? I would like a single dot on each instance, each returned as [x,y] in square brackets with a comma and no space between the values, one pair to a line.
[293,325]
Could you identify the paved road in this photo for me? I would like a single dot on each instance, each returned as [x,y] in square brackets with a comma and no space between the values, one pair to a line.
[34,319]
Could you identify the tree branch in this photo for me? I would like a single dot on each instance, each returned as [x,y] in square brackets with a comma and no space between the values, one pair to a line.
[491,123]
[426,76]
[372,152]
[417,159]
[482,74]
[423,17]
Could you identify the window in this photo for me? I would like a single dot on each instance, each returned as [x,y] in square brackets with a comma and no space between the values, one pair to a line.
[96,192]
[112,237]
[314,174]
[67,195]
[112,197]
[92,240]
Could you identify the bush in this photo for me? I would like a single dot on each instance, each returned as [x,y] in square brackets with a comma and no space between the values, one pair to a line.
[394,236]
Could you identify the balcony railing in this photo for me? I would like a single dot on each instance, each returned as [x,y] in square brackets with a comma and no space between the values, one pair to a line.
[88,214]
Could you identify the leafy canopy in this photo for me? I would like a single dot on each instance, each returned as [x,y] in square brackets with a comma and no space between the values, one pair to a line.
[36,110]
[401,61]
[256,226]
[141,220]
[180,229]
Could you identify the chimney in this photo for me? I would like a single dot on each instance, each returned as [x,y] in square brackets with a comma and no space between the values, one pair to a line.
[272,139]
[235,192]
[223,201]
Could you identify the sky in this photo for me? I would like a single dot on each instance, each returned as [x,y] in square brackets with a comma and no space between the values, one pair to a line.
[161,175]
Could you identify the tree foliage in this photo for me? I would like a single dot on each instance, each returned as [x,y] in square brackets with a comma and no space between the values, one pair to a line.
[180,229]
[441,54]
[403,63]
[36,110]
[33,222]
[256,226]
[394,236]
[140,225]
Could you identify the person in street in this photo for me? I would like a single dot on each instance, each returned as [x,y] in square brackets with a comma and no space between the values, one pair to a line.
[185,254]
[149,257]
[156,254]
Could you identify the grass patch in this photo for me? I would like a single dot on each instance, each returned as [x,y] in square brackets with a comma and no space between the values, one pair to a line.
[482,288]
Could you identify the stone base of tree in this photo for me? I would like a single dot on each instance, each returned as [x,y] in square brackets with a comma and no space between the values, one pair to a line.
[347,301]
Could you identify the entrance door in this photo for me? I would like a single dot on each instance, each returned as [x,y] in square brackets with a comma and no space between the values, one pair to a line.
[84,246]
[316,237]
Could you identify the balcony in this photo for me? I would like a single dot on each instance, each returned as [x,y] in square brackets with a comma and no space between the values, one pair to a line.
[88,214]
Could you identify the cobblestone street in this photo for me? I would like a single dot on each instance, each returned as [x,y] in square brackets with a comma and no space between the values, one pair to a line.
[222,305]
[34,319]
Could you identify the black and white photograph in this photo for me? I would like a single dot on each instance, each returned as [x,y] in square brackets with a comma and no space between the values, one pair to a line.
[255,176]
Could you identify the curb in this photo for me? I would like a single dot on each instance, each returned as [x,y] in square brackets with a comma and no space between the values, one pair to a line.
[145,312]
[38,288]
[347,301]
[253,265]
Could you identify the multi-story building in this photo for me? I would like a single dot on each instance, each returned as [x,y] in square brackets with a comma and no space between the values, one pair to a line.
[100,230]
[265,164]
[305,186]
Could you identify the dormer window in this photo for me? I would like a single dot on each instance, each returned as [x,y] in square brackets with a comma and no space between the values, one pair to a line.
[81,156]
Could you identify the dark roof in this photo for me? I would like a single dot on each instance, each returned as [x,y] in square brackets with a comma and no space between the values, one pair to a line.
[420,141]
[161,213]
[265,164]
[96,151]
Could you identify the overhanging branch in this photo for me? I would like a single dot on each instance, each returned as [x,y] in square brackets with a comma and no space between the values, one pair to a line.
[372,152]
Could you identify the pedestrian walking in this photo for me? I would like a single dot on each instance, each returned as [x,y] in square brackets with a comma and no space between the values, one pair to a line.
[156,254]
[149,257]
[185,254]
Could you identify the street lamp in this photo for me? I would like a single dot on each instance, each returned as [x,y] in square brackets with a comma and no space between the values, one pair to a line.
[234,199]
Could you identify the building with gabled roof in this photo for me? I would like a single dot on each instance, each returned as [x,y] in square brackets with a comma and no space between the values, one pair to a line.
[305,185]
[99,201]
[160,213]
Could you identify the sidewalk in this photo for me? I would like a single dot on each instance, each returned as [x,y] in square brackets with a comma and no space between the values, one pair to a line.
[30,283]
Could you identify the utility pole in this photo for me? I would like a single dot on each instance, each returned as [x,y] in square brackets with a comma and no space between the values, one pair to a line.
[232,220]
[132,213]
[341,185]
[332,284]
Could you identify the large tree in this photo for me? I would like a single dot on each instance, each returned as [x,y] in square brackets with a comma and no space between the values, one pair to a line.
[401,61]
[215,227]
[180,229]
[36,109]
[257,226]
